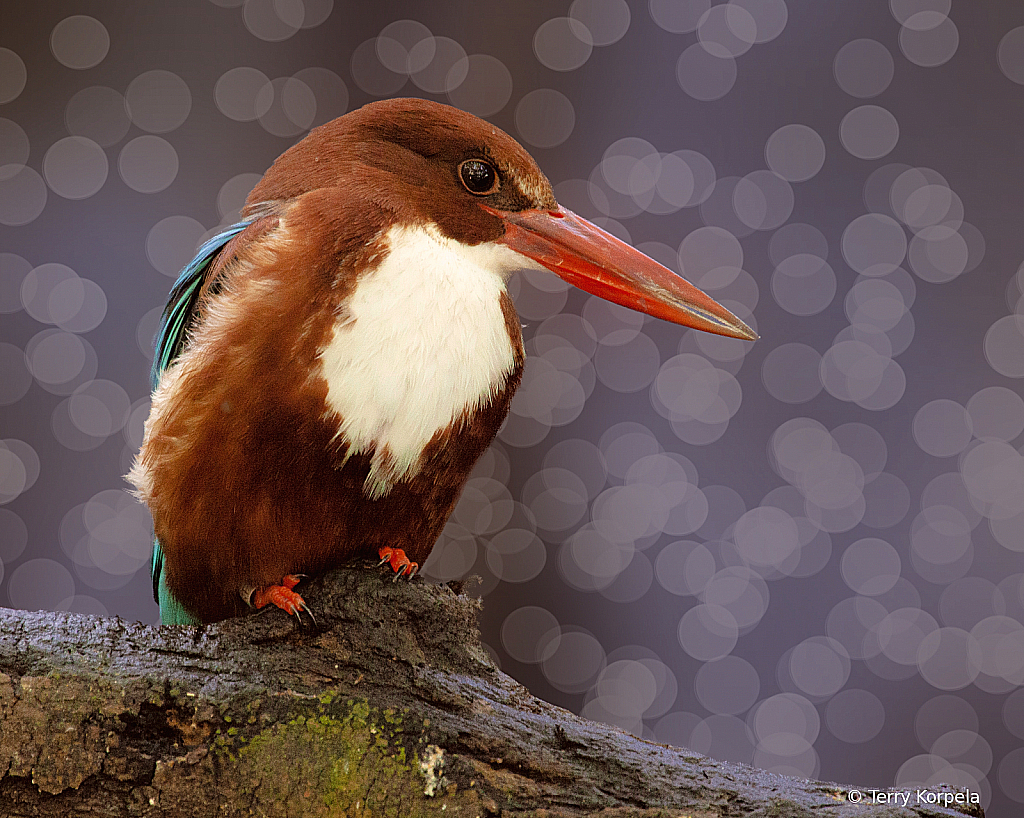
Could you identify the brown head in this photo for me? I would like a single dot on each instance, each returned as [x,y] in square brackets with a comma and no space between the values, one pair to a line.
[435,165]
[424,160]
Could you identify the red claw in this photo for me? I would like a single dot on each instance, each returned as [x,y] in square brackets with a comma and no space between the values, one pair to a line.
[400,563]
[282,596]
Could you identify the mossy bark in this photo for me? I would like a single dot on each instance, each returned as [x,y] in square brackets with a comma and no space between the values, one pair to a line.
[387,707]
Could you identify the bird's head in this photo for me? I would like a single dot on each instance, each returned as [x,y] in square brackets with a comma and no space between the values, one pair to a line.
[435,165]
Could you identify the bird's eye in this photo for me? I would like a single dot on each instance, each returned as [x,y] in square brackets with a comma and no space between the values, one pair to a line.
[479,177]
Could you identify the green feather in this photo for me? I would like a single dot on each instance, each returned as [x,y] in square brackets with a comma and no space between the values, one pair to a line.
[171,611]
[178,317]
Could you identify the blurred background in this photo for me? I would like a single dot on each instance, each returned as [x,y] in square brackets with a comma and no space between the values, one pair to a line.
[789,553]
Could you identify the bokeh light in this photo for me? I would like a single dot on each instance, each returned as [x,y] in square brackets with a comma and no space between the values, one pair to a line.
[12,70]
[863,68]
[869,132]
[97,113]
[158,101]
[795,153]
[79,41]
[545,118]
[148,164]
[784,553]
[75,167]
[563,43]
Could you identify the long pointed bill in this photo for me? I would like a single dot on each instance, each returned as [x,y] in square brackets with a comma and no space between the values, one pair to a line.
[595,261]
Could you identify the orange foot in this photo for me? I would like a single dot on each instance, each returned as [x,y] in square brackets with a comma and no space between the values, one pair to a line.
[400,563]
[282,596]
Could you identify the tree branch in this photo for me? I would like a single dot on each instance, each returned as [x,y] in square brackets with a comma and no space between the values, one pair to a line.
[388,706]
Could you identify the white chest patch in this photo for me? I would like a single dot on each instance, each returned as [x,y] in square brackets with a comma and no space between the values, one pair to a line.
[422,341]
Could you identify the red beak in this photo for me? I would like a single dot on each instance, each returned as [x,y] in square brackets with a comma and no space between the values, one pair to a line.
[595,261]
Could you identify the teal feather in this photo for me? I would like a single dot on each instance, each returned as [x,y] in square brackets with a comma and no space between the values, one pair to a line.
[178,318]
[179,313]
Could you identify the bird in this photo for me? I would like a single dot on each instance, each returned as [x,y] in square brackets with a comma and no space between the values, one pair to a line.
[328,370]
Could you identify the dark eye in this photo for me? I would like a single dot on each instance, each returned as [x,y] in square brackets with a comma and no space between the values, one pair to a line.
[479,177]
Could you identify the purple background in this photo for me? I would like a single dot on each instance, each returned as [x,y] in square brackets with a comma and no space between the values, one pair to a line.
[789,553]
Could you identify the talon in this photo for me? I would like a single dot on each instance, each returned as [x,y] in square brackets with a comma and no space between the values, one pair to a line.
[400,563]
[282,596]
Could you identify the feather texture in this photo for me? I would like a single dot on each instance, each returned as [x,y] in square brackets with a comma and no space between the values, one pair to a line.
[178,317]
[180,312]
[422,342]
[263,435]
[329,370]
[243,467]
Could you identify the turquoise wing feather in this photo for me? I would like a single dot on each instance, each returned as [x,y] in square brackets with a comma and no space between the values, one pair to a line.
[177,319]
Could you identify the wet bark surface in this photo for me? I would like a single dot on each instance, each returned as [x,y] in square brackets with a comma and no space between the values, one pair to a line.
[388,705]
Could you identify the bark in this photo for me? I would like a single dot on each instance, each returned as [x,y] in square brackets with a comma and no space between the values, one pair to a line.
[388,706]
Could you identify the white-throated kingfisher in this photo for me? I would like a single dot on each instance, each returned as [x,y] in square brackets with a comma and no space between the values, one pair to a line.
[329,369]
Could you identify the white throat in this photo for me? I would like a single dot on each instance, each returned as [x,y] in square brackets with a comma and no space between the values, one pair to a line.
[422,341]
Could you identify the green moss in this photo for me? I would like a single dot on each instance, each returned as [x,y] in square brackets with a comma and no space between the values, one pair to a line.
[338,758]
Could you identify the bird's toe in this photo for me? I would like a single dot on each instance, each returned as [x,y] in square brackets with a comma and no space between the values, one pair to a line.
[283,597]
[400,563]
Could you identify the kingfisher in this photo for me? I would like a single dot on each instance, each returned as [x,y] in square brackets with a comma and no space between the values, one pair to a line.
[328,370]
